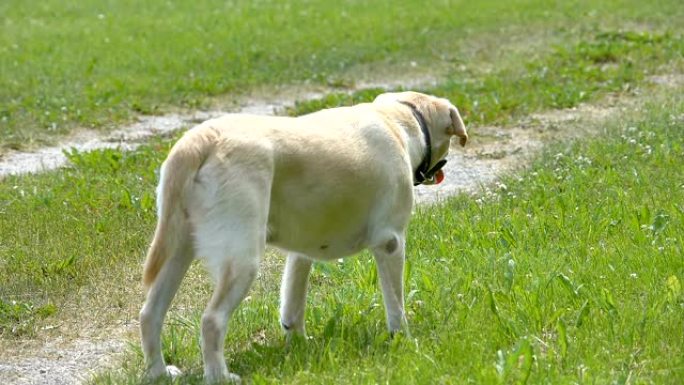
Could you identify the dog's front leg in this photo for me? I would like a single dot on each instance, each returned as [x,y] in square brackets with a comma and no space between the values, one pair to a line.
[293,294]
[389,256]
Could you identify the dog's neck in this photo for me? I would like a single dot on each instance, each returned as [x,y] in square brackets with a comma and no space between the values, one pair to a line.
[423,172]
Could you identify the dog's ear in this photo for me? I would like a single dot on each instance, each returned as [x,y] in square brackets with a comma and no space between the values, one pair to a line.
[457,127]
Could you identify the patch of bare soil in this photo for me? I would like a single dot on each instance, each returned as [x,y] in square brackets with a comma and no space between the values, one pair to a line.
[495,151]
[260,102]
[491,152]
[58,362]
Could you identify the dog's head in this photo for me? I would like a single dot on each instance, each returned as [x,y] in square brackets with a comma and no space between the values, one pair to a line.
[441,117]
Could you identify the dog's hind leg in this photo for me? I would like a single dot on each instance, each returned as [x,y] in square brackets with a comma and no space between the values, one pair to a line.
[159,297]
[293,294]
[232,241]
[231,288]
[389,255]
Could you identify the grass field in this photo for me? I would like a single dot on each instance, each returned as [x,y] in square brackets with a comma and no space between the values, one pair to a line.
[567,273]
[570,272]
[90,63]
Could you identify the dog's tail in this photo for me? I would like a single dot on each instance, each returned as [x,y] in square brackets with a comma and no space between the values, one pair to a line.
[176,177]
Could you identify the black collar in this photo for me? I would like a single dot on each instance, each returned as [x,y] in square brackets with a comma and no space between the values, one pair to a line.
[424,172]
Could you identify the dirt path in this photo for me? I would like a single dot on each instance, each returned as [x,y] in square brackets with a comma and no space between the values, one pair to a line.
[491,152]
[57,363]
[129,137]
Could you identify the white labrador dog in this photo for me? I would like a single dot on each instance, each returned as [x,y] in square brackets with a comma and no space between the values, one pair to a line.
[322,186]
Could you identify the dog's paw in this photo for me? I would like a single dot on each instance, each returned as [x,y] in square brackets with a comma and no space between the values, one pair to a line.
[226,378]
[294,335]
[295,339]
[173,371]
[160,371]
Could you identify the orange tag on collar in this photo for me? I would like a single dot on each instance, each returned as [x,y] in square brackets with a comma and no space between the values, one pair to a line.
[439,176]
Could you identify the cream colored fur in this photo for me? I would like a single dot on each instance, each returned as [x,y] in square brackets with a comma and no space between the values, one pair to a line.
[321,186]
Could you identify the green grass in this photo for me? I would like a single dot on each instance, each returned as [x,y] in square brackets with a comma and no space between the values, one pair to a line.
[64,232]
[568,273]
[94,63]
[606,62]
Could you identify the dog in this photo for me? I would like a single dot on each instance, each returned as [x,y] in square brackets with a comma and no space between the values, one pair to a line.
[321,186]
